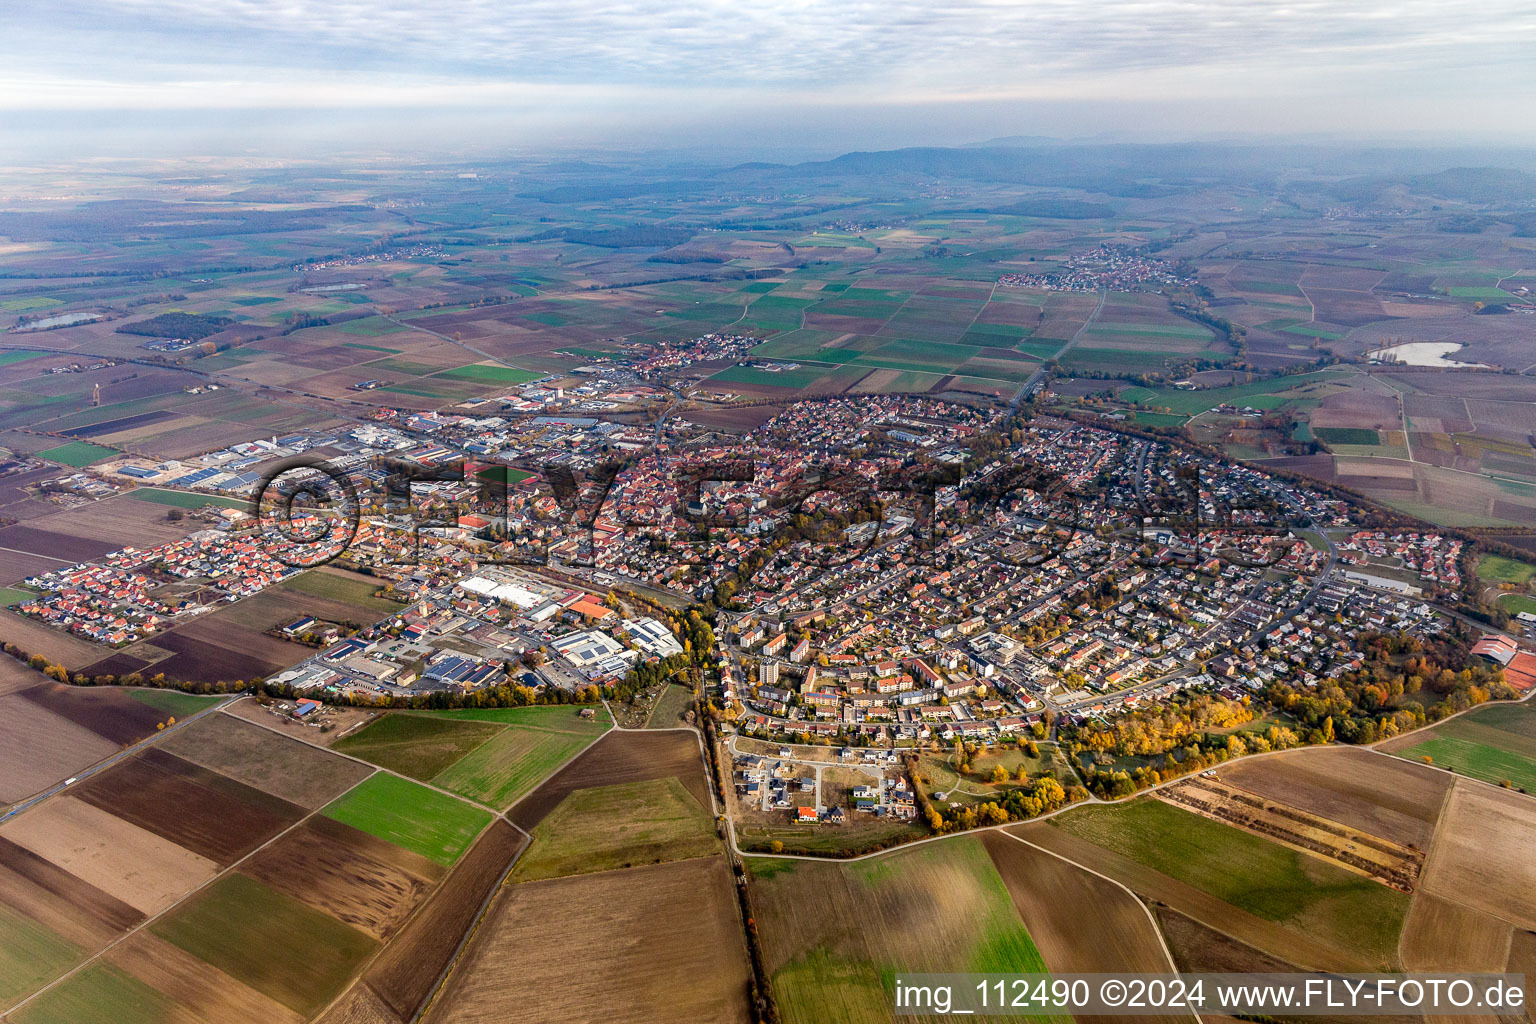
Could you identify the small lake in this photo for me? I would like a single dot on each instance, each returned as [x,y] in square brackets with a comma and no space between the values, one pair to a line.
[61,320]
[1421,353]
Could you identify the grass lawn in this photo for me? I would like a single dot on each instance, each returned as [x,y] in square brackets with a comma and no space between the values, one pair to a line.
[270,941]
[1253,874]
[11,595]
[421,746]
[77,453]
[413,817]
[174,702]
[496,374]
[1517,603]
[341,588]
[100,994]
[30,955]
[619,826]
[182,499]
[1498,569]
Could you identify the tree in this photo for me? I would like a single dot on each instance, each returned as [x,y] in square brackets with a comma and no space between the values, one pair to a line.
[999,775]
[175,515]
[776,846]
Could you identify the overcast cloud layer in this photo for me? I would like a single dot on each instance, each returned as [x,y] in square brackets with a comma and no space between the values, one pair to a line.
[1421,64]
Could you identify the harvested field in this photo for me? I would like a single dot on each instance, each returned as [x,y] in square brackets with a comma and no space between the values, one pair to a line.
[407,971]
[230,924]
[1440,935]
[1377,858]
[617,758]
[1355,787]
[108,712]
[414,817]
[210,814]
[206,650]
[1078,921]
[45,892]
[54,644]
[210,994]
[656,944]
[421,746]
[39,749]
[1280,900]
[619,826]
[832,932]
[1481,855]
[357,879]
[126,862]
[360,1005]
[267,760]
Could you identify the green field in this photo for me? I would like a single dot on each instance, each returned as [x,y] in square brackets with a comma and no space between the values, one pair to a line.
[410,816]
[841,931]
[11,595]
[1346,435]
[341,588]
[1271,881]
[173,702]
[1264,394]
[619,826]
[1498,569]
[20,356]
[508,767]
[1496,744]
[421,746]
[300,957]
[495,374]
[670,706]
[184,499]
[1517,603]
[78,453]
[100,994]
[30,955]
[30,304]
[802,376]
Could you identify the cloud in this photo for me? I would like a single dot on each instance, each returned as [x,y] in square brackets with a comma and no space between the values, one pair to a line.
[284,50]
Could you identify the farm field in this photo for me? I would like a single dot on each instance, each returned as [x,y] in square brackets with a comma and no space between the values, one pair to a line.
[831,932]
[39,748]
[267,760]
[77,454]
[618,758]
[1481,853]
[1496,744]
[30,956]
[494,755]
[238,915]
[207,813]
[1356,787]
[1302,893]
[1079,921]
[421,746]
[129,863]
[413,817]
[656,944]
[618,827]
[364,882]
[405,974]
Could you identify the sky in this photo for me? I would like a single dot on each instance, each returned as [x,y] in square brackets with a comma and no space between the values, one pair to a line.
[810,75]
